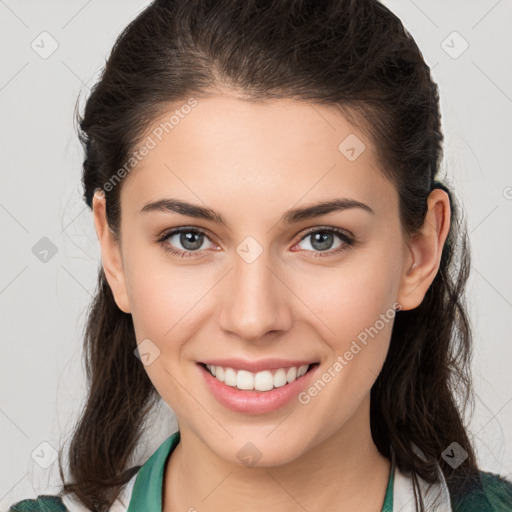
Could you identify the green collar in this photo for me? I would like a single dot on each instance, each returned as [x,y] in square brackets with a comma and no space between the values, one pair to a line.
[388,499]
[147,489]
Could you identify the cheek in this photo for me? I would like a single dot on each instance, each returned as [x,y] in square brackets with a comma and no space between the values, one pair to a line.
[351,297]
[354,313]
[163,296]
[165,304]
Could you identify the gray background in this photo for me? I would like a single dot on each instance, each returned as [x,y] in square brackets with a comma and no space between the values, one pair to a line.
[44,296]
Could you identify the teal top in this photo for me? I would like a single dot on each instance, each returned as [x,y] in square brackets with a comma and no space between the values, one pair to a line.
[493,495]
[147,490]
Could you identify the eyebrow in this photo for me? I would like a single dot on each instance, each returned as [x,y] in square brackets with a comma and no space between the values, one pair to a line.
[291,216]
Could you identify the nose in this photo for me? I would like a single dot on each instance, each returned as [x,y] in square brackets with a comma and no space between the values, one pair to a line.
[255,301]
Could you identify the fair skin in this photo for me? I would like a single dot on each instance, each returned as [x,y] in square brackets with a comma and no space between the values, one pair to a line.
[251,163]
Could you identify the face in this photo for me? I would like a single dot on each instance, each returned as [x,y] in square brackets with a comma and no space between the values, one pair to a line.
[264,290]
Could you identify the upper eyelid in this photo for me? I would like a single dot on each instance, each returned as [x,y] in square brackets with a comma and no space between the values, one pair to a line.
[182,229]
[338,231]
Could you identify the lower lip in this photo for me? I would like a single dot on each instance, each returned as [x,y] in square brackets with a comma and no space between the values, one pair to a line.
[255,402]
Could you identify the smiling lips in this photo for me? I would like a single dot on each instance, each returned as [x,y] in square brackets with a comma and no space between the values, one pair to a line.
[256,387]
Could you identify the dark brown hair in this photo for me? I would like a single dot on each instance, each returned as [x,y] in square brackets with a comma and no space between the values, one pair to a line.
[353,55]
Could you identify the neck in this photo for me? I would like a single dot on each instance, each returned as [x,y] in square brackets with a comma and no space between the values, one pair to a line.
[345,471]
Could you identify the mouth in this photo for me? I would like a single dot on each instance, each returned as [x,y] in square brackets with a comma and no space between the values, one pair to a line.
[262,381]
[255,393]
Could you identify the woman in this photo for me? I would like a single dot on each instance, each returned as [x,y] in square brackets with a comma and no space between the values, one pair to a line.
[280,265]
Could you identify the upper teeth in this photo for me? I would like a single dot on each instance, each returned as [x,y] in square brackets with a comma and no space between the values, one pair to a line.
[260,381]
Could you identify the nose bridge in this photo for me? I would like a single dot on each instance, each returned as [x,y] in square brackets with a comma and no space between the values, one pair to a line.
[255,300]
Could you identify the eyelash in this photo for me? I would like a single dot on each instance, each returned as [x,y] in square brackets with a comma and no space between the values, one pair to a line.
[348,242]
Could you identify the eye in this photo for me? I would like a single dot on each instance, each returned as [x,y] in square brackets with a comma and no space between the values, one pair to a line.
[191,239]
[322,239]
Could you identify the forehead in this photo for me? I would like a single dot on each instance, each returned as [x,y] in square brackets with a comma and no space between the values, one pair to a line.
[257,156]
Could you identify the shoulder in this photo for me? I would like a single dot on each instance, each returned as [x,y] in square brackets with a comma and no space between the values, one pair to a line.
[68,503]
[45,503]
[489,492]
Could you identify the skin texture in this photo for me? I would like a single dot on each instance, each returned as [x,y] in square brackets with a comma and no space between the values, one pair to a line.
[251,163]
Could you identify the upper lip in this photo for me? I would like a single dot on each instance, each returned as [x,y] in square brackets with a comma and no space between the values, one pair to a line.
[256,366]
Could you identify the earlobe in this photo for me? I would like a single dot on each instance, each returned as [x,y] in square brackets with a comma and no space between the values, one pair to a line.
[111,257]
[425,250]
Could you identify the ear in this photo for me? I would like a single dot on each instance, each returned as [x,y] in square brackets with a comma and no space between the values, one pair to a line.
[110,252]
[425,250]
